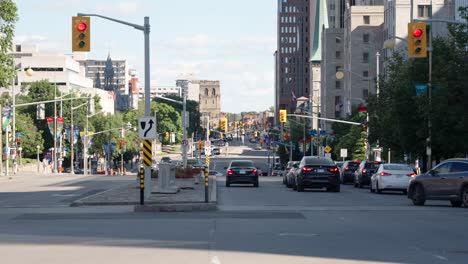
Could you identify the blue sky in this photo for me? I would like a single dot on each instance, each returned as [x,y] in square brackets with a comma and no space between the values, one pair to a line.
[225,40]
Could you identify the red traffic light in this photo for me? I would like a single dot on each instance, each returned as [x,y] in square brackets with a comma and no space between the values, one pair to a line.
[81,26]
[417,33]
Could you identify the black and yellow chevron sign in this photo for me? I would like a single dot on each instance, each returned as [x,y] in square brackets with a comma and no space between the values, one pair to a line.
[147,155]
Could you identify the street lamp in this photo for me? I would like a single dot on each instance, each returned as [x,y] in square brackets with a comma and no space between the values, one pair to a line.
[38,147]
[29,72]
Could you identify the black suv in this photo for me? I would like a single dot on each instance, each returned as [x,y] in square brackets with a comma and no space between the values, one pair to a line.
[317,172]
[347,171]
[446,181]
[362,176]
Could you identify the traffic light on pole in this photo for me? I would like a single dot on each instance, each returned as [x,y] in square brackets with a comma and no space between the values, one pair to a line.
[417,40]
[282,116]
[81,33]
[224,124]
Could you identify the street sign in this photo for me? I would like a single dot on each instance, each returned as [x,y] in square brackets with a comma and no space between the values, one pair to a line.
[207,151]
[321,151]
[328,149]
[343,153]
[147,128]
[207,143]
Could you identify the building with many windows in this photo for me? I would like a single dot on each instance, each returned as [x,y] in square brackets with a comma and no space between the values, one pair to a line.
[292,55]
[110,75]
[363,42]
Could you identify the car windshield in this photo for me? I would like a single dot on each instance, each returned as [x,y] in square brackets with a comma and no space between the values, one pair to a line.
[402,167]
[318,161]
[353,165]
[242,164]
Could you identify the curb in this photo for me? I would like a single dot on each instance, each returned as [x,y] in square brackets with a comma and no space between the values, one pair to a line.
[187,207]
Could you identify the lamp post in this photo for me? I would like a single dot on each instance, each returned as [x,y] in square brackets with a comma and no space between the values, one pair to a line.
[29,72]
[38,164]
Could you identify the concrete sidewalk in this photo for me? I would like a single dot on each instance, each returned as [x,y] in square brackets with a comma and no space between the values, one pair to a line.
[184,200]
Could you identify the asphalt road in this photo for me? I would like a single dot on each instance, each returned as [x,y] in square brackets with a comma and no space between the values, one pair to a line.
[269,224]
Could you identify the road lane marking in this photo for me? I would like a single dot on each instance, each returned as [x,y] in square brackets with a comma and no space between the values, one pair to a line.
[440,257]
[298,234]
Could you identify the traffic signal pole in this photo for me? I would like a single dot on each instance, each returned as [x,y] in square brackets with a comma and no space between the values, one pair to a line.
[429,84]
[146,31]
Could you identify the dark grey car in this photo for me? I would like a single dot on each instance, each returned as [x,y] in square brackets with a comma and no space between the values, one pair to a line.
[446,181]
[242,171]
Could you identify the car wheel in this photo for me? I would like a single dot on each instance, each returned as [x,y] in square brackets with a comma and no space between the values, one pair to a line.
[355,183]
[405,192]
[337,188]
[377,189]
[300,188]
[359,184]
[456,203]
[228,184]
[418,197]
[465,196]
[284,180]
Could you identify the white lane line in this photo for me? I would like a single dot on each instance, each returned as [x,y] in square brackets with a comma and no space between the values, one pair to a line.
[440,257]
[298,234]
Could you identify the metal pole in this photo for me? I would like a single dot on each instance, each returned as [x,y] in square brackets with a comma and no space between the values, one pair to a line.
[147,67]
[38,170]
[85,147]
[429,92]
[1,139]
[184,125]
[367,136]
[72,141]
[377,78]
[208,157]
[7,149]
[13,135]
[304,141]
[54,158]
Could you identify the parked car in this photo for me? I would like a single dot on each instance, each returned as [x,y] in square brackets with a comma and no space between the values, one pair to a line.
[291,175]
[339,164]
[317,172]
[166,160]
[392,177]
[347,171]
[446,181]
[364,172]
[216,151]
[241,171]
[277,170]
[289,172]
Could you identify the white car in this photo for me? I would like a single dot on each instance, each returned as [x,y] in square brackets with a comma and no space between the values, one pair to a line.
[392,177]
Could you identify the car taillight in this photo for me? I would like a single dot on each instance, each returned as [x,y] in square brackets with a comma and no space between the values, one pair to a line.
[306,169]
[255,171]
[335,169]
[383,173]
[346,168]
[229,172]
[411,174]
[364,170]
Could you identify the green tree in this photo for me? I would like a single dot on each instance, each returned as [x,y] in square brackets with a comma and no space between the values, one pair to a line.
[8,18]
[31,136]
[359,152]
